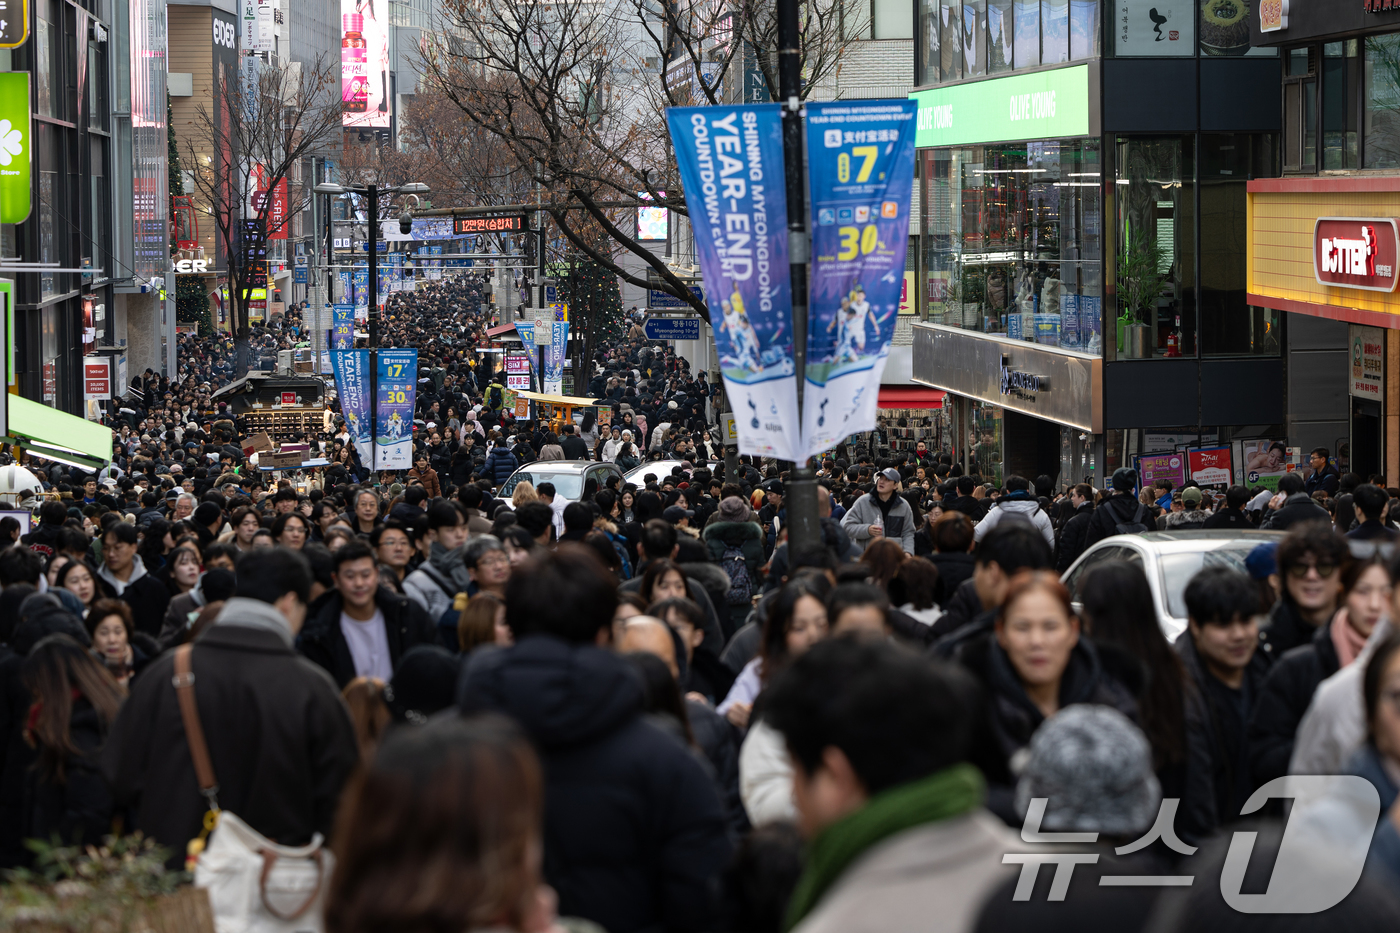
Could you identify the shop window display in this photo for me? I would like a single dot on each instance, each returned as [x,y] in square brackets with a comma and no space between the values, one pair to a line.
[1155,314]
[1013,236]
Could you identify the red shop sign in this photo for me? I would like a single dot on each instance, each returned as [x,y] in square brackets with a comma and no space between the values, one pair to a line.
[289,398]
[1357,252]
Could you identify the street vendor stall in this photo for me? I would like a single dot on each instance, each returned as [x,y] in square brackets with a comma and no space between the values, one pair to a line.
[284,407]
[558,410]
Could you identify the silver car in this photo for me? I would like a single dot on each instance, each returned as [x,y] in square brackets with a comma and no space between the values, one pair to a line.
[662,469]
[1170,559]
[568,477]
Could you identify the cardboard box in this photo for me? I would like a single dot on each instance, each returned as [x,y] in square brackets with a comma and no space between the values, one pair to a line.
[258,443]
[282,461]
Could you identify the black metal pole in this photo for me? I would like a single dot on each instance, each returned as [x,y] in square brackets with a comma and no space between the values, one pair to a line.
[804,525]
[372,323]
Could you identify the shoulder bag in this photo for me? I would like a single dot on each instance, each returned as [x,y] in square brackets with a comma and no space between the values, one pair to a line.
[254,884]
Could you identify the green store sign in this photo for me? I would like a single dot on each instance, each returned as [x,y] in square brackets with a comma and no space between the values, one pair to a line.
[1041,105]
[15,147]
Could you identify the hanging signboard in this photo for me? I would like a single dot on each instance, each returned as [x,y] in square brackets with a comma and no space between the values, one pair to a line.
[14,24]
[16,147]
[393,433]
[351,369]
[731,166]
[97,379]
[860,180]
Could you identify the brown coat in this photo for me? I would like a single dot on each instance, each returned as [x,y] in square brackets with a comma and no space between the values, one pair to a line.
[429,479]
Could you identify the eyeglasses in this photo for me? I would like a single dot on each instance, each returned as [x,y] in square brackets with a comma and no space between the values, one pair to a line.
[1299,571]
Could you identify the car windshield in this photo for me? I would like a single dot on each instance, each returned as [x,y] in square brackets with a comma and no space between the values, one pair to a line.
[1178,569]
[568,485]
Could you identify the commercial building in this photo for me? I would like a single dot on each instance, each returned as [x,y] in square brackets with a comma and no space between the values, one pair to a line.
[1081,265]
[1322,238]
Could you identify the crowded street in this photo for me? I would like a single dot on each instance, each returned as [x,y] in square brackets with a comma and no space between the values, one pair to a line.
[577,467]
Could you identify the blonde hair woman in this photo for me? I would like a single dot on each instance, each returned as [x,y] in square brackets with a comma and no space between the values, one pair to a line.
[524,492]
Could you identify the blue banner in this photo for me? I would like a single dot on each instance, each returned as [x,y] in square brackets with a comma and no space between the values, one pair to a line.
[393,435]
[351,369]
[554,358]
[860,159]
[526,330]
[342,327]
[731,166]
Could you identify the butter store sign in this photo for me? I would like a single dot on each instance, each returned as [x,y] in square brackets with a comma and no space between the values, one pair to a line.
[1042,105]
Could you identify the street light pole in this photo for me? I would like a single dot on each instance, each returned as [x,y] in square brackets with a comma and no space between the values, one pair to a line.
[371,193]
[372,316]
[804,525]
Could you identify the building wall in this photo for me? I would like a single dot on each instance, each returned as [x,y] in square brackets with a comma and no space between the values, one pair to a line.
[1318,369]
[192,53]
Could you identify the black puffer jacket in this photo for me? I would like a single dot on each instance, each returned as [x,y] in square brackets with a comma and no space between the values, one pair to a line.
[634,835]
[1012,716]
[1286,695]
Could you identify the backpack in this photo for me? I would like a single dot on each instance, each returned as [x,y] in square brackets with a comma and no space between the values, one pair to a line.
[740,586]
[495,397]
[1134,527]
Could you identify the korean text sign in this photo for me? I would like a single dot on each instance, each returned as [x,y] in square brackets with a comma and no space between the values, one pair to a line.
[860,160]
[393,435]
[731,164]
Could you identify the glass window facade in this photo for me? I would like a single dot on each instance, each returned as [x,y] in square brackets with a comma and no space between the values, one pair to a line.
[1382,102]
[1180,266]
[1013,240]
[969,38]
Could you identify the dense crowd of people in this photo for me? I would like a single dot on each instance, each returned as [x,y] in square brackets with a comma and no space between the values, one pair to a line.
[639,706]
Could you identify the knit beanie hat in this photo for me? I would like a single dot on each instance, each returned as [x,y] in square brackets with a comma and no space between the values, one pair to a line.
[733,509]
[1095,768]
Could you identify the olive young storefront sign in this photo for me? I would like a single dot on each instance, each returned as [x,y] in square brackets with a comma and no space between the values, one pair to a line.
[16,152]
[1043,105]
[1356,252]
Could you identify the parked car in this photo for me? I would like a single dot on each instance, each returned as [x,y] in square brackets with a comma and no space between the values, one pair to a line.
[662,469]
[1170,559]
[568,477]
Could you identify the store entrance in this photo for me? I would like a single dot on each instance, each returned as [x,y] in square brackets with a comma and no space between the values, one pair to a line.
[1366,439]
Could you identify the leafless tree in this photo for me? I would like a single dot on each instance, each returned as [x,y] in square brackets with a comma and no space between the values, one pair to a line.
[251,140]
[576,91]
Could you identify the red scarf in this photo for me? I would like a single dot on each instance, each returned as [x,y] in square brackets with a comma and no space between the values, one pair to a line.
[1346,639]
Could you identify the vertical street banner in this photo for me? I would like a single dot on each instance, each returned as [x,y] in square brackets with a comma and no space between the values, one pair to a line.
[860,159]
[342,327]
[554,358]
[526,330]
[351,368]
[393,430]
[731,165]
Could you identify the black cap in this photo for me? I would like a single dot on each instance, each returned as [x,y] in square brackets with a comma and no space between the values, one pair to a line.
[675,513]
[1125,479]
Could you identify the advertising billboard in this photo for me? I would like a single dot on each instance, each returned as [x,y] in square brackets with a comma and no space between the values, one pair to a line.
[651,221]
[364,63]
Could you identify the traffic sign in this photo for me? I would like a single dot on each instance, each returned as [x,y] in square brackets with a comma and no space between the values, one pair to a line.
[659,299]
[673,328]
